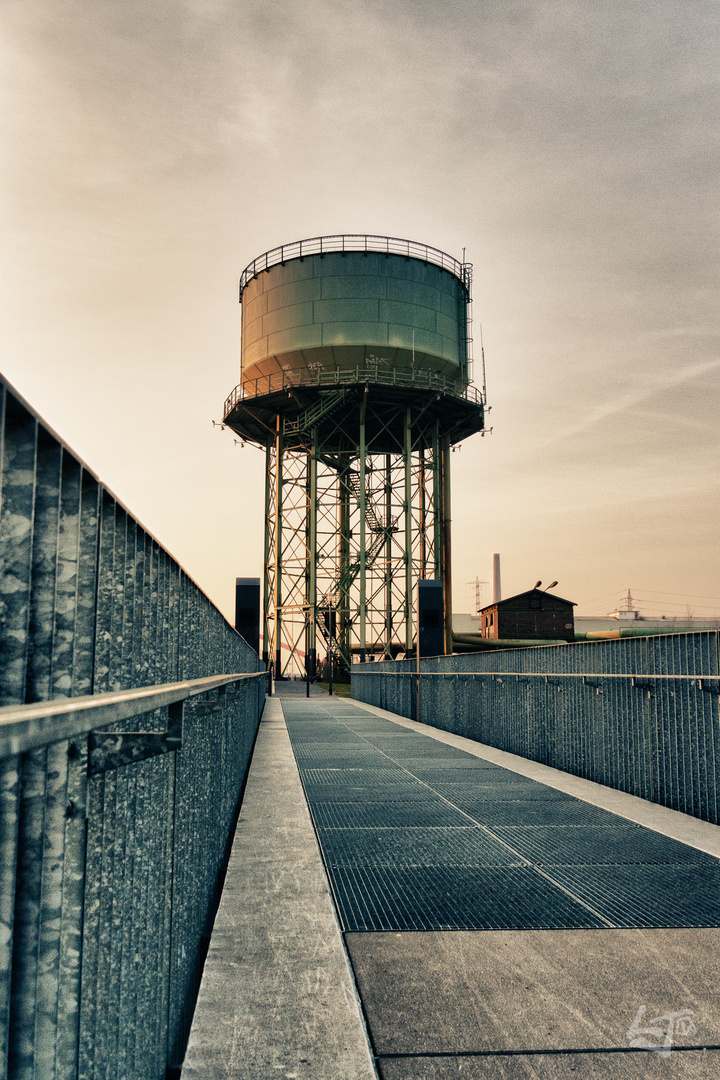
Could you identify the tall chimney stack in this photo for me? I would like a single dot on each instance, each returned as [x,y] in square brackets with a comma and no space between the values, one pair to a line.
[497,591]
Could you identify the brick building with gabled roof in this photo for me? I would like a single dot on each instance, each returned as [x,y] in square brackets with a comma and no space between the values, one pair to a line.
[529,615]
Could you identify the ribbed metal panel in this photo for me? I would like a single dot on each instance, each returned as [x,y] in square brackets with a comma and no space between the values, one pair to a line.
[428,767]
[480,794]
[415,814]
[449,841]
[566,811]
[102,919]
[466,846]
[321,759]
[667,895]
[338,777]
[598,845]
[351,792]
[447,898]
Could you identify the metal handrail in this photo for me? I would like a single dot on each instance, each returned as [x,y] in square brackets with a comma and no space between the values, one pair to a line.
[28,727]
[384,245]
[535,674]
[286,380]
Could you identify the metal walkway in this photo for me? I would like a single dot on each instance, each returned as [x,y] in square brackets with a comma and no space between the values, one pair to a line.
[496,926]
[419,835]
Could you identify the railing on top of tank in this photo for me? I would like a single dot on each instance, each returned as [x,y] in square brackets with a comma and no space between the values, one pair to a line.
[385,245]
[282,380]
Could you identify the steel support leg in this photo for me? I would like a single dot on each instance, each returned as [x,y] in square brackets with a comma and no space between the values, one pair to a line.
[266,554]
[311,631]
[437,503]
[421,511]
[343,599]
[363,524]
[278,544]
[407,460]
[447,565]
[387,652]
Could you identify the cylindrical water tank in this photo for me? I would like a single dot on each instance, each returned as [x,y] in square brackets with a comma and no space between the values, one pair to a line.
[313,310]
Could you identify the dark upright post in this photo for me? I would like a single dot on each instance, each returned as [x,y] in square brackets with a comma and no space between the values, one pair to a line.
[247,610]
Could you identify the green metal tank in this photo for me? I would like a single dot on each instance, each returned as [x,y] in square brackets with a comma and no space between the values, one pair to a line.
[327,311]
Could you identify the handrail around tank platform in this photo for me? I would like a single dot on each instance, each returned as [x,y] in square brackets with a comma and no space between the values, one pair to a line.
[383,245]
[286,380]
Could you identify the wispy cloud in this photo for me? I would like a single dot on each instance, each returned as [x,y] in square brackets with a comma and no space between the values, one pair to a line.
[152,149]
[629,400]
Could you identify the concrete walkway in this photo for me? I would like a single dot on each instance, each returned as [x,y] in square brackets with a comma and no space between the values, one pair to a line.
[277,999]
[503,920]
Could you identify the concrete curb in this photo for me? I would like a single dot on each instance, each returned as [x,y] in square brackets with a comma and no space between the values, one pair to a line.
[277,998]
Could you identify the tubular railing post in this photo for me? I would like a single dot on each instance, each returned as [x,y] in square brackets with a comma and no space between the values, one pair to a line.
[70,943]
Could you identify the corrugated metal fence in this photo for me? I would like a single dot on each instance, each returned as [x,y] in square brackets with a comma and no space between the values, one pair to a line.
[637,714]
[112,849]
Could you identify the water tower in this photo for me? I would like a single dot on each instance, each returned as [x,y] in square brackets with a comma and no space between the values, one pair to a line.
[356,379]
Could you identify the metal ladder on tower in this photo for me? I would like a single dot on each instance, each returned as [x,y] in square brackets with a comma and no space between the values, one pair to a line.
[374,523]
[379,532]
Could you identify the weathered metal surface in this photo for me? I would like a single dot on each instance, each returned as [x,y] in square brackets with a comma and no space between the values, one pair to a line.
[43,567]
[16,536]
[628,713]
[24,728]
[157,841]
[111,751]
[108,880]
[9,797]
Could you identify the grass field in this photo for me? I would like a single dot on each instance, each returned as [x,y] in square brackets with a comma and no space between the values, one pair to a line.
[339,689]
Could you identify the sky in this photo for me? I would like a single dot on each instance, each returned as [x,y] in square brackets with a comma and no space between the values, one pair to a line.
[153,148]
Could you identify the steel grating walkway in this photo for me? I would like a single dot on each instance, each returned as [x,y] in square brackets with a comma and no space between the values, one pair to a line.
[419,835]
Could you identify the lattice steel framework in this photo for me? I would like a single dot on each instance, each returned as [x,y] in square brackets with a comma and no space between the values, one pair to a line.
[356,379]
[351,529]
